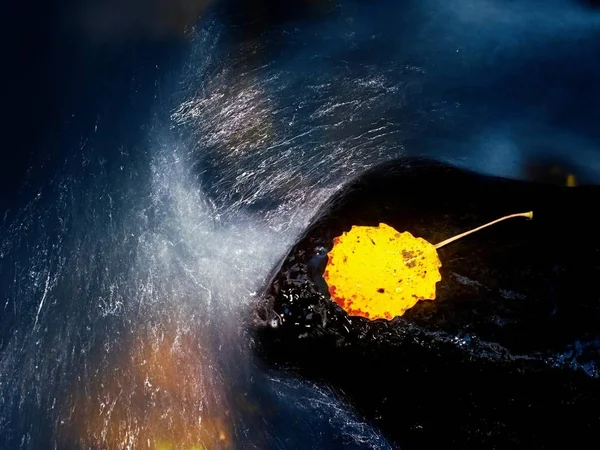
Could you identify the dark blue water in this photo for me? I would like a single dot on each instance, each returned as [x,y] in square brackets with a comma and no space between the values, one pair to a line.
[161,161]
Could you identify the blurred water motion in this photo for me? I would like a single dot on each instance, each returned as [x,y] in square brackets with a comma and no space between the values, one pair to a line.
[110,20]
[160,390]
[105,21]
[245,116]
[170,187]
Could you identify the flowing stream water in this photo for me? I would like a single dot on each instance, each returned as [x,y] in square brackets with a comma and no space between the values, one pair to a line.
[128,275]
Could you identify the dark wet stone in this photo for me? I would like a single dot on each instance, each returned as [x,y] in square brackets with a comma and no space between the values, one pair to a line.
[506,357]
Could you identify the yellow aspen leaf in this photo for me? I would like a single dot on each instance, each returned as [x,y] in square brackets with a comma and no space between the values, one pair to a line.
[379,273]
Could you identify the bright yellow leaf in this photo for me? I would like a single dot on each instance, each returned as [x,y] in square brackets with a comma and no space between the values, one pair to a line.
[379,273]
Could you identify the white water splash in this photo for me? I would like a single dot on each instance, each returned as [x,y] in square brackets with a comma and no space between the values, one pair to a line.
[144,270]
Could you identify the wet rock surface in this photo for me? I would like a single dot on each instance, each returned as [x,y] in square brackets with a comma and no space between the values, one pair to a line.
[508,356]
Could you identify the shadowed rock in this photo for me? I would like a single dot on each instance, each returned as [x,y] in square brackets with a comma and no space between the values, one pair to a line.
[508,354]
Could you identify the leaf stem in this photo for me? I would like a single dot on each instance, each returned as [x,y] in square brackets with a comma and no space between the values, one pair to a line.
[528,215]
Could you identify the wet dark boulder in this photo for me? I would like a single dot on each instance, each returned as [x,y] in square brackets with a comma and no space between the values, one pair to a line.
[508,356]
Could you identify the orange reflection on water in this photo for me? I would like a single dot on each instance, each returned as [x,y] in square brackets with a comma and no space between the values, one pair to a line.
[161,393]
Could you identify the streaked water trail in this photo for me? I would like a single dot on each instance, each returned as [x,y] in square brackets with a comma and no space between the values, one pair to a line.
[131,290]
